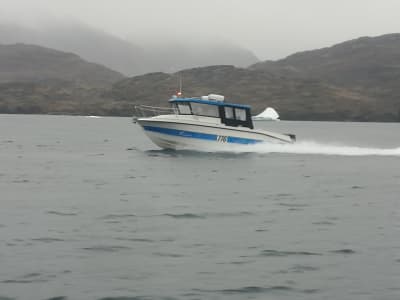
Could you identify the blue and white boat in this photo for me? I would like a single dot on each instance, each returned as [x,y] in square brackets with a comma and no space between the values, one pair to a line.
[203,123]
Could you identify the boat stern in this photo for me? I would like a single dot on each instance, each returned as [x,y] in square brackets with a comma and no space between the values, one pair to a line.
[292,137]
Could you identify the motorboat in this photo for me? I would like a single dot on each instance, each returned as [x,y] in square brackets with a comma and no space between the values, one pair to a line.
[202,123]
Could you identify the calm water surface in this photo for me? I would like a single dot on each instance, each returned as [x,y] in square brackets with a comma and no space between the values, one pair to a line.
[90,209]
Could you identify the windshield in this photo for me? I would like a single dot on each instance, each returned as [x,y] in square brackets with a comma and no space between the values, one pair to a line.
[205,110]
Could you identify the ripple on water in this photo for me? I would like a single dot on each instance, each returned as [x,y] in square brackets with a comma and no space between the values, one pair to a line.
[343,251]
[137,298]
[27,278]
[357,187]
[20,181]
[43,146]
[59,213]
[261,230]
[118,216]
[106,248]
[295,205]
[185,216]
[140,240]
[238,262]
[262,290]
[208,215]
[256,289]
[232,214]
[303,268]
[47,240]
[327,223]
[164,254]
[284,195]
[276,253]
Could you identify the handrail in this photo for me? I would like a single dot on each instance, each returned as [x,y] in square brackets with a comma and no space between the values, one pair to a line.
[147,111]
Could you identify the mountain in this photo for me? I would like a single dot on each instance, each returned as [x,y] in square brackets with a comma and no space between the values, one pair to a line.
[293,98]
[361,61]
[91,44]
[133,57]
[26,63]
[368,65]
[35,79]
[358,80]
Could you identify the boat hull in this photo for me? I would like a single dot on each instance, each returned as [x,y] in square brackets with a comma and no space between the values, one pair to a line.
[179,135]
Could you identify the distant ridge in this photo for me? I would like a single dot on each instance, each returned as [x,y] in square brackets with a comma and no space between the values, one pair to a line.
[368,65]
[358,80]
[362,61]
[36,79]
[294,98]
[21,62]
[129,57]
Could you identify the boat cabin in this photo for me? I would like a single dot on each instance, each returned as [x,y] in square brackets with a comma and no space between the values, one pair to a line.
[230,114]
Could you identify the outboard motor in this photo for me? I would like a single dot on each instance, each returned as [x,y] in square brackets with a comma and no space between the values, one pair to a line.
[292,137]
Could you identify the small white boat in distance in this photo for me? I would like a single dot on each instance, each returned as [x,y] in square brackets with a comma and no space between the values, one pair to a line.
[269,114]
[203,123]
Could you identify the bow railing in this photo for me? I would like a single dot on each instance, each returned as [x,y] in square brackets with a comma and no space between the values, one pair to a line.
[147,111]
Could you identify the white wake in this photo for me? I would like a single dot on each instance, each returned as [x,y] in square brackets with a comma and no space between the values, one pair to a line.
[319,149]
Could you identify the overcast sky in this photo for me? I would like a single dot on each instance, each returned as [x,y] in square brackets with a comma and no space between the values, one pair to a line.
[270,28]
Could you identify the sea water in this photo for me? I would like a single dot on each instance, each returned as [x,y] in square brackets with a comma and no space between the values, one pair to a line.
[91,209]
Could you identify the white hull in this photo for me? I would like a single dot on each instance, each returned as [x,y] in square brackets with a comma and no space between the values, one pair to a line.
[177,132]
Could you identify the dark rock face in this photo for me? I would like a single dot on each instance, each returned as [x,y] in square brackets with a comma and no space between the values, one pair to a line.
[357,62]
[35,79]
[369,66]
[294,98]
[20,62]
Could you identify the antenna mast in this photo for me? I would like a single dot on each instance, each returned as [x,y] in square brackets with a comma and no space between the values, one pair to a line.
[180,85]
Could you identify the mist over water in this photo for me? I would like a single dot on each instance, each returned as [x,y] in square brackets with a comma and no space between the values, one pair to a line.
[91,209]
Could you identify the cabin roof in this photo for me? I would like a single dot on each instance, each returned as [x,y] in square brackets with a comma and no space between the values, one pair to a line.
[209,102]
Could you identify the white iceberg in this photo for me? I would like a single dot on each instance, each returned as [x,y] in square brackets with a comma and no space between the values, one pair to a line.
[269,114]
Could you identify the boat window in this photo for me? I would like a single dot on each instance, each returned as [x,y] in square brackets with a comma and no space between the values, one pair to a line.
[240,114]
[175,108]
[205,110]
[184,109]
[229,112]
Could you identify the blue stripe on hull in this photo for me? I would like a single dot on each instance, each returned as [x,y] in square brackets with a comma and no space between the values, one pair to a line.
[200,135]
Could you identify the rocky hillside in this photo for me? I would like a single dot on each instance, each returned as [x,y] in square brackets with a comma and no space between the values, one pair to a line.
[34,79]
[20,62]
[58,97]
[357,80]
[368,65]
[294,98]
[363,61]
